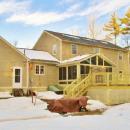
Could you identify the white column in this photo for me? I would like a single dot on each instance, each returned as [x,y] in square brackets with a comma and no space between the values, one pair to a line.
[78,70]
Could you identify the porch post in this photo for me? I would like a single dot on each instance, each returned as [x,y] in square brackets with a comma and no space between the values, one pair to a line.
[78,70]
[67,74]
[108,79]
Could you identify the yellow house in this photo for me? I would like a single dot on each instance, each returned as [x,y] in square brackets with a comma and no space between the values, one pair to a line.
[87,66]
[81,66]
[26,68]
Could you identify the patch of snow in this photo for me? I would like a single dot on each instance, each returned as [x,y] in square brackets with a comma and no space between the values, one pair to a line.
[38,55]
[30,117]
[22,107]
[76,58]
[5,95]
[93,105]
[48,95]
[122,110]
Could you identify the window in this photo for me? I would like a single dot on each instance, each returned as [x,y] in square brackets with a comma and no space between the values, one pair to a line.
[62,73]
[39,69]
[17,75]
[74,49]
[54,49]
[93,60]
[96,50]
[72,72]
[100,61]
[120,56]
[84,69]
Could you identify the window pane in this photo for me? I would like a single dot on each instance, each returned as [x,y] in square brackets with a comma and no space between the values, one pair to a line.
[41,69]
[93,60]
[54,49]
[100,61]
[17,71]
[37,69]
[74,49]
[106,64]
[62,73]
[84,69]
[72,72]
[17,79]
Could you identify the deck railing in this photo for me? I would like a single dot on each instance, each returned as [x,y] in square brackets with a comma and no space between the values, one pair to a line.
[109,79]
[79,86]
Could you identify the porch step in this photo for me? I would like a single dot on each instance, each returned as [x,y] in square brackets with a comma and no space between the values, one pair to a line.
[18,92]
[78,87]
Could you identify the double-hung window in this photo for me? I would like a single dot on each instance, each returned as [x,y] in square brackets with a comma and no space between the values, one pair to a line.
[40,69]
[74,49]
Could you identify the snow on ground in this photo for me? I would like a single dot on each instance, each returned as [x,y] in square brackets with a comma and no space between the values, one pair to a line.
[95,105]
[20,114]
[5,95]
[22,107]
[48,95]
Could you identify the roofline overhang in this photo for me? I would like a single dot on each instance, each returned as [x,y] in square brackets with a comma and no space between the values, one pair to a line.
[14,48]
[92,55]
[45,61]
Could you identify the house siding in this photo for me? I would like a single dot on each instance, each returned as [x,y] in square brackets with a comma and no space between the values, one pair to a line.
[46,42]
[9,58]
[50,76]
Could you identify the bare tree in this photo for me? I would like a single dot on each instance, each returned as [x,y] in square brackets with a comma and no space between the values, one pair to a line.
[93,29]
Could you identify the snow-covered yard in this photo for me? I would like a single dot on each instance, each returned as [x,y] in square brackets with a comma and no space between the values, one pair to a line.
[20,114]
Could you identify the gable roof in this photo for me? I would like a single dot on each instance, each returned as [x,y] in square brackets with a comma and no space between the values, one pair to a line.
[80,58]
[38,55]
[84,40]
[13,47]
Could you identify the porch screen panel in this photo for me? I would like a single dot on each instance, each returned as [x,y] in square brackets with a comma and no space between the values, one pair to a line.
[84,69]
[100,61]
[93,60]
[62,73]
[72,72]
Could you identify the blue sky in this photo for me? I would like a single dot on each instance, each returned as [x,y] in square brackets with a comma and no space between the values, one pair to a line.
[24,20]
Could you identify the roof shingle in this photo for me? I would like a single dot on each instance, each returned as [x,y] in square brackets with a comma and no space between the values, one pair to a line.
[84,40]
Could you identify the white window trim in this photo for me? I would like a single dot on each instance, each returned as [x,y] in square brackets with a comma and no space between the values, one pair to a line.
[53,49]
[39,69]
[76,49]
[21,77]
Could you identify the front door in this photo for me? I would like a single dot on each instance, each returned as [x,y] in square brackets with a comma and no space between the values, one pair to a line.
[17,77]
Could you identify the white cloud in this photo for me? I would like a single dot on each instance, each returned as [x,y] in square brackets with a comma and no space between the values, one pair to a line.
[38,18]
[104,7]
[11,6]
[41,18]
[99,9]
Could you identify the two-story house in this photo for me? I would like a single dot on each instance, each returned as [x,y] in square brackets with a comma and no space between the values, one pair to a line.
[81,66]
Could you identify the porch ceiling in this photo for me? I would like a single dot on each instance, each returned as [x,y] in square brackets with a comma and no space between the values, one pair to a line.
[78,59]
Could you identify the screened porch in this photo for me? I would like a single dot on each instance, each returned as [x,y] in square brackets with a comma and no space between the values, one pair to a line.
[79,67]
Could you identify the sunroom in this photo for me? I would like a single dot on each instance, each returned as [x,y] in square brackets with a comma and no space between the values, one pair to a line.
[81,66]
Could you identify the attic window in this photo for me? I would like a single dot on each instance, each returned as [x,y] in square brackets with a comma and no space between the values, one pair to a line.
[54,49]
[74,49]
